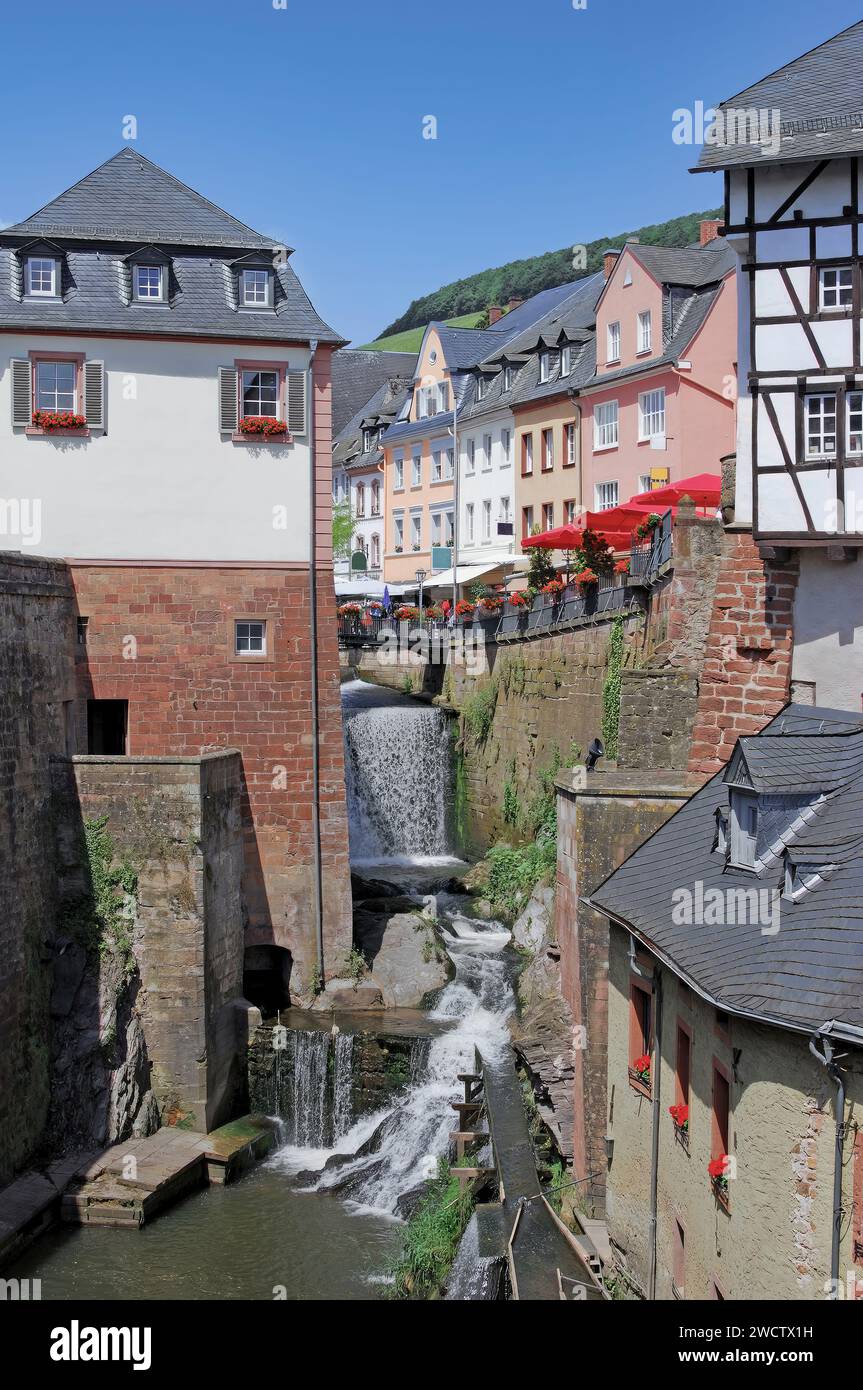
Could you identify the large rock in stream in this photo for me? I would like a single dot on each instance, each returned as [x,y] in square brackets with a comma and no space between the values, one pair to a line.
[406,956]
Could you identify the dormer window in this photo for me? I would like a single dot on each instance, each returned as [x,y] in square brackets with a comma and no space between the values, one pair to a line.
[720,843]
[43,278]
[367,440]
[744,829]
[544,366]
[507,378]
[256,289]
[481,385]
[565,360]
[148,282]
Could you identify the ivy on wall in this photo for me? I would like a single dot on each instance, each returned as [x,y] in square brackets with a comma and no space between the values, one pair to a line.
[611,690]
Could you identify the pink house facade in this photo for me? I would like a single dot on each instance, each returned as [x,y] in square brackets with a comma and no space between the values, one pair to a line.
[661,404]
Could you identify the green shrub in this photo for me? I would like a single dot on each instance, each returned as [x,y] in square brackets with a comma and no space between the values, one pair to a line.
[514,873]
[432,1236]
[611,690]
[479,711]
[100,919]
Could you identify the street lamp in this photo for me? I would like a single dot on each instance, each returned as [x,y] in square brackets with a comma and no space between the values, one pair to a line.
[420,577]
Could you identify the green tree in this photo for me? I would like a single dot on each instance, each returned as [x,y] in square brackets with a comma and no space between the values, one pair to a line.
[540,568]
[343,527]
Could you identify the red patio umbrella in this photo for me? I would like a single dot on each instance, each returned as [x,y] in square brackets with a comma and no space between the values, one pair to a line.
[566,537]
[703,488]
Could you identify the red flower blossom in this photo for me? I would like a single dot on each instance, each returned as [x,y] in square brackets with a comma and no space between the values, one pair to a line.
[262,424]
[717,1168]
[680,1115]
[586,577]
[49,420]
[518,600]
[622,567]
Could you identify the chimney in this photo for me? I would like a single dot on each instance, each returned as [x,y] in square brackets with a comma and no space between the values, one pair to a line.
[709,230]
[609,259]
[514,304]
[495,312]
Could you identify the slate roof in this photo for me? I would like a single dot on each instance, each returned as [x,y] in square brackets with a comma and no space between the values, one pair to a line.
[811,970]
[694,266]
[464,347]
[383,406]
[820,99]
[532,309]
[128,198]
[357,375]
[127,202]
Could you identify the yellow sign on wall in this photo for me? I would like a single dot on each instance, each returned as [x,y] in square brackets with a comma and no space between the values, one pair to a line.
[658,477]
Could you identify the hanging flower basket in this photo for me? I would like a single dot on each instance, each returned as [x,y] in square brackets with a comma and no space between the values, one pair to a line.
[648,526]
[622,566]
[464,608]
[52,420]
[407,613]
[640,1070]
[518,600]
[489,606]
[263,425]
[434,613]
[553,589]
[585,578]
[349,610]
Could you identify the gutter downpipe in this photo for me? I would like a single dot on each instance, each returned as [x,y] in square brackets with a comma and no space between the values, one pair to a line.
[456,499]
[655,980]
[828,1060]
[313,633]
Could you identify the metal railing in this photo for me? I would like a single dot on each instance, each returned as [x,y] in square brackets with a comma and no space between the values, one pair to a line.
[649,557]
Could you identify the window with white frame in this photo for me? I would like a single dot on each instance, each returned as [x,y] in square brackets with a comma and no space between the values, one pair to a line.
[376,551]
[471,456]
[448,528]
[606,496]
[360,500]
[835,287]
[544,366]
[367,440]
[399,531]
[547,450]
[436,527]
[569,512]
[41,277]
[820,426]
[569,441]
[469,523]
[507,378]
[148,281]
[443,396]
[250,638]
[376,498]
[481,384]
[486,520]
[651,414]
[256,288]
[644,482]
[504,511]
[613,343]
[645,331]
[527,521]
[486,452]
[398,474]
[416,530]
[448,463]
[527,454]
[55,385]
[605,425]
[437,466]
[416,470]
[565,360]
[854,422]
[547,516]
[260,393]
[505,445]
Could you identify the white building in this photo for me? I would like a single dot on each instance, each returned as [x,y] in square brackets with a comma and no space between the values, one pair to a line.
[486,478]
[792,212]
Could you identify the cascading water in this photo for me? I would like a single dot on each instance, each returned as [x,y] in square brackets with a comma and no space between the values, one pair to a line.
[398,760]
[314,1087]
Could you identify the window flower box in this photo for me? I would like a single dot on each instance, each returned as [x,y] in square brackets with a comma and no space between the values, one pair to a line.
[718,1170]
[488,607]
[680,1116]
[263,425]
[553,590]
[519,601]
[349,610]
[55,421]
[639,1072]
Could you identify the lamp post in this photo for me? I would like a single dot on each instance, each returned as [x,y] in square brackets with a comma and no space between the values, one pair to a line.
[456,500]
[420,577]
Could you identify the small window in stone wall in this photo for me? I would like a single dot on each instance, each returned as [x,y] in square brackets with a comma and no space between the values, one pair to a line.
[250,637]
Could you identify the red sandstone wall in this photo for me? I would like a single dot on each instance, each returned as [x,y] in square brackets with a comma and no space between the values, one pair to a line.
[746,677]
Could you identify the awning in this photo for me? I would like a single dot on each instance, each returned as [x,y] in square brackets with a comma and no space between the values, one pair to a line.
[360,587]
[466,574]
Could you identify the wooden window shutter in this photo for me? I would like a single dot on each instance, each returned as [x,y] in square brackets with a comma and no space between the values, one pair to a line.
[296,402]
[228,400]
[94,393]
[22,392]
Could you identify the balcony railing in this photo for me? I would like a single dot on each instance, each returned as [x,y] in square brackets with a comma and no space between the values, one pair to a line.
[653,554]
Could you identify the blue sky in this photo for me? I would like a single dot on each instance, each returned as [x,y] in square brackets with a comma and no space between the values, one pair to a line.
[554,124]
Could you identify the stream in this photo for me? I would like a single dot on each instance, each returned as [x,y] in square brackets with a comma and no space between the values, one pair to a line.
[320,1219]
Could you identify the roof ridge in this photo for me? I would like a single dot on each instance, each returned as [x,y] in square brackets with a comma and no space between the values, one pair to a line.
[792,62]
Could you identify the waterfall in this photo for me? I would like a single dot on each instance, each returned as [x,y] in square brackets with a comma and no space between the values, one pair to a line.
[398,761]
[314,1087]
[383,1157]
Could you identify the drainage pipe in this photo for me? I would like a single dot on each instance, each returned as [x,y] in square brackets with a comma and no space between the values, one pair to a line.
[313,636]
[829,1061]
[655,980]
